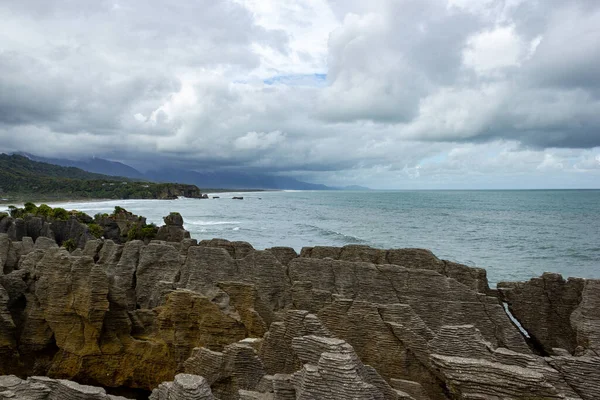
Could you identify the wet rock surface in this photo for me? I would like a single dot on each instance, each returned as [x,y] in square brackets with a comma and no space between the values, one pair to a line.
[222,320]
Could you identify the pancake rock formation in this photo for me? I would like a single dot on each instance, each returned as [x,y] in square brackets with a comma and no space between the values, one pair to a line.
[180,319]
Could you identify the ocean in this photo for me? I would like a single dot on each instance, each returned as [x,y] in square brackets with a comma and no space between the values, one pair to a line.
[515,235]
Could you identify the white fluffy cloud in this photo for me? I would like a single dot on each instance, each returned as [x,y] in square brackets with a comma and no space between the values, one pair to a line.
[492,50]
[387,93]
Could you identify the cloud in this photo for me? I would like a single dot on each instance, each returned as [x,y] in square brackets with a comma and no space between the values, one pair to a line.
[491,50]
[259,140]
[388,93]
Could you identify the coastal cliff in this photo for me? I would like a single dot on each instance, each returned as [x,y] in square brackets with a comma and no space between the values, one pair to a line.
[24,178]
[180,319]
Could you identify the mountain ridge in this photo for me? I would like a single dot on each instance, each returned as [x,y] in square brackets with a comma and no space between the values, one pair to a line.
[24,178]
[94,164]
[205,179]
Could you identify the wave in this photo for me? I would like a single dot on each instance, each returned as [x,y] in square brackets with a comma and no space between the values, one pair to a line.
[324,232]
[204,223]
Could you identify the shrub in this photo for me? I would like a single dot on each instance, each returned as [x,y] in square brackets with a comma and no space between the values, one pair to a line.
[133,233]
[149,231]
[44,210]
[98,217]
[60,214]
[30,208]
[70,245]
[3,215]
[146,232]
[119,210]
[81,216]
[96,230]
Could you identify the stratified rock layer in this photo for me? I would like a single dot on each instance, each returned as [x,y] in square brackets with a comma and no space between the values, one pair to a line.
[219,319]
[559,313]
[42,388]
[184,387]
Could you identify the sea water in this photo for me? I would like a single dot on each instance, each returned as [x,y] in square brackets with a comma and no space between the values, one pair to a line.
[515,235]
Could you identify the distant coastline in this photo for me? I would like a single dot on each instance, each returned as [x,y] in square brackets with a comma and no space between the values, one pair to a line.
[64,200]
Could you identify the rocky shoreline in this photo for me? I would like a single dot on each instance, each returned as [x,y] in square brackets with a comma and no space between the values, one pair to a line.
[168,317]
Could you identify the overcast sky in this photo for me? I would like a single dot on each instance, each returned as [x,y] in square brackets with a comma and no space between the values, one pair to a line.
[384,93]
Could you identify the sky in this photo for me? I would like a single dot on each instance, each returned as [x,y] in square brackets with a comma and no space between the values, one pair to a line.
[391,94]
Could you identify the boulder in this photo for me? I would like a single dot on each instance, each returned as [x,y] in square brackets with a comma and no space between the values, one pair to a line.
[173,230]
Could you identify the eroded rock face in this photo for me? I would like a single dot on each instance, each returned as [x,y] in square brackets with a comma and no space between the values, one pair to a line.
[585,319]
[42,388]
[237,368]
[351,322]
[8,344]
[35,227]
[558,313]
[475,278]
[184,387]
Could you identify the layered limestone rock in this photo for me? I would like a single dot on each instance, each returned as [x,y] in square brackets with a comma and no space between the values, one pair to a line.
[184,387]
[580,373]
[236,368]
[351,322]
[34,227]
[8,343]
[42,388]
[322,367]
[558,313]
[374,307]
[471,367]
[331,369]
[585,319]
[475,278]
[71,293]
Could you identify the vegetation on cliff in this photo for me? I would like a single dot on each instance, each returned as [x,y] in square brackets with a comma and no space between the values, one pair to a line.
[120,226]
[22,178]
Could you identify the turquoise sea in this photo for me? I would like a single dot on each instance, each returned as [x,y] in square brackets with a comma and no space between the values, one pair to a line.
[515,235]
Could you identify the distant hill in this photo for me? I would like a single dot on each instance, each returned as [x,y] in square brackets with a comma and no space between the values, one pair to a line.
[22,178]
[208,179]
[18,166]
[96,165]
